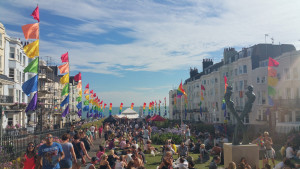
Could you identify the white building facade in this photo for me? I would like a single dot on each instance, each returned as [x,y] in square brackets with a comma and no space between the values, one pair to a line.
[244,68]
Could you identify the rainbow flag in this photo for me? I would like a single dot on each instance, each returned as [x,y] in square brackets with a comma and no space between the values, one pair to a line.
[180,91]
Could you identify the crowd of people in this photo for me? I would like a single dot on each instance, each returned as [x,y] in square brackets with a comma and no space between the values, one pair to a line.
[128,142]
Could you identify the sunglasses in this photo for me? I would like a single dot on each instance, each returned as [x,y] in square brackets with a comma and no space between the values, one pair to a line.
[49,137]
[30,146]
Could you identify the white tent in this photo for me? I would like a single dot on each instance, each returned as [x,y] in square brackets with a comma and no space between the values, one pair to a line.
[129,113]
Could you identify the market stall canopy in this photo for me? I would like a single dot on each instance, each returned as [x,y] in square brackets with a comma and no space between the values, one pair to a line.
[156,118]
[129,113]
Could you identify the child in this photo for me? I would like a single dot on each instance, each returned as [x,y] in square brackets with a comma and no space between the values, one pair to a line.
[92,164]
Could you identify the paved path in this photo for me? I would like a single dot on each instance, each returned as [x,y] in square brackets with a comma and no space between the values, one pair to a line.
[93,151]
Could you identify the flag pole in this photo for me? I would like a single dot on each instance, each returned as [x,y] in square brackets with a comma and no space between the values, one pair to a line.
[181,109]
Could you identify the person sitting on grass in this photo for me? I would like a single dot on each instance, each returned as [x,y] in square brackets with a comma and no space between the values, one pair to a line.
[121,163]
[142,155]
[181,164]
[203,156]
[173,146]
[216,150]
[137,162]
[183,150]
[112,158]
[122,143]
[231,165]
[111,144]
[92,164]
[244,164]
[191,165]
[167,161]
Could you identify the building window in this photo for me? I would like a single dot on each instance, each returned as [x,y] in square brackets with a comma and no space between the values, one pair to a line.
[12,53]
[258,80]
[11,74]
[235,72]
[245,84]
[245,69]
[23,61]
[19,75]
[11,92]
[295,73]
[23,97]
[240,70]
[216,80]
[241,85]
[288,93]
[287,74]
[297,116]
[264,97]
[263,79]
[23,77]
[17,96]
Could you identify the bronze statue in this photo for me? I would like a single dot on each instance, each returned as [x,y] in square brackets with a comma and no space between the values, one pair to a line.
[240,126]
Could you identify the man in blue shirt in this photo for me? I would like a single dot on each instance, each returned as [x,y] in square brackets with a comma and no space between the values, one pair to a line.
[51,153]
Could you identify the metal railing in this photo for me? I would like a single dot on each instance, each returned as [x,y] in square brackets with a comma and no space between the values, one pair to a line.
[6,99]
[13,146]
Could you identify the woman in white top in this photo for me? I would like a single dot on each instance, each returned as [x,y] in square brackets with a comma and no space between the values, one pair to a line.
[121,163]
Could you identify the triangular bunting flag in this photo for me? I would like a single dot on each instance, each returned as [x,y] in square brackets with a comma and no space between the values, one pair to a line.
[64,68]
[65,90]
[32,67]
[32,49]
[65,79]
[31,31]
[30,85]
[32,105]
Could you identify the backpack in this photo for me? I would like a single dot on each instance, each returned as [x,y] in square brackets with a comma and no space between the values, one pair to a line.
[86,144]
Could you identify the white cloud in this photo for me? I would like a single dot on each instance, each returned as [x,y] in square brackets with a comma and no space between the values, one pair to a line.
[170,35]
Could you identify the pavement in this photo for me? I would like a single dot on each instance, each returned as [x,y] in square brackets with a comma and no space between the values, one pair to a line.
[93,151]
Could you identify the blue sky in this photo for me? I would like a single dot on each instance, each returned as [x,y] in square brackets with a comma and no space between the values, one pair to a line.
[136,51]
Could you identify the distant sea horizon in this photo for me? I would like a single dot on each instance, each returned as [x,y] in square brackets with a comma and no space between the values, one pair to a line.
[115,111]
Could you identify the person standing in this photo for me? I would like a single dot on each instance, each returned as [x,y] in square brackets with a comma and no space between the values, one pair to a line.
[92,129]
[187,133]
[80,152]
[100,131]
[50,154]
[29,159]
[68,149]
[269,150]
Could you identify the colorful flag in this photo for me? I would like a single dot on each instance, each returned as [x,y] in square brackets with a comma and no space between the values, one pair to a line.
[92,91]
[32,67]
[65,79]
[32,49]
[79,105]
[87,86]
[86,103]
[30,85]
[270,100]
[121,107]
[86,108]
[64,68]
[79,99]
[65,112]
[225,82]
[65,90]
[32,105]
[94,95]
[180,91]
[273,62]
[271,91]
[110,106]
[36,14]
[77,77]
[79,113]
[65,101]
[65,57]
[272,72]
[87,97]
[132,104]
[203,88]
[31,31]
[79,85]
[86,91]
[272,81]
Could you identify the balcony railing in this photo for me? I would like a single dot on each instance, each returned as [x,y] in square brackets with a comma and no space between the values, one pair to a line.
[287,103]
[6,99]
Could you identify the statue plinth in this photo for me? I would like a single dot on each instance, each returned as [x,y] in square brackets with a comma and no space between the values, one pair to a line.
[236,152]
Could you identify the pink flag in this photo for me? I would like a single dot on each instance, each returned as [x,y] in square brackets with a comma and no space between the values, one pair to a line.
[77,77]
[65,57]
[36,14]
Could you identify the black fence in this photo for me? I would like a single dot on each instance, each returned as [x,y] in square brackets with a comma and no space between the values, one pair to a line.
[13,146]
